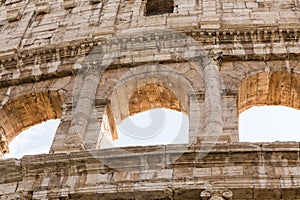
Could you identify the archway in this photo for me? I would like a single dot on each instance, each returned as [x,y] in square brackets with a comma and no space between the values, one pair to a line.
[269,89]
[23,112]
[269,124]
[34,140]
[153,100]
[158,126]
[191,65]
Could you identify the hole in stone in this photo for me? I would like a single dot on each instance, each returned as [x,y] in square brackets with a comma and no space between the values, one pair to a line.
[158,7]
[35,140]
[269,124]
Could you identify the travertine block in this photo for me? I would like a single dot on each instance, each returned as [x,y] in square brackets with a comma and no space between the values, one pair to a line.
[96,1]
[42,7]
[69,4]
[13,14]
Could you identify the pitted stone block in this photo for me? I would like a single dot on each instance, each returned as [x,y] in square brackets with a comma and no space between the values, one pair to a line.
[42,7]
[13,14]
[69,4]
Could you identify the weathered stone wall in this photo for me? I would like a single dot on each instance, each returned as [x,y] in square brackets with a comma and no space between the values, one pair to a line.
[73,58]
[87,21]
[249,171]
[28,28]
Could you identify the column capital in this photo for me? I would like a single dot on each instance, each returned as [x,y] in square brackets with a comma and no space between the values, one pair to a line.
[213,58]
[216,195]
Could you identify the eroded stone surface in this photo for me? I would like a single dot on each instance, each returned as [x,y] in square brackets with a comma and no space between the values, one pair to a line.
[83,61]
[249,171]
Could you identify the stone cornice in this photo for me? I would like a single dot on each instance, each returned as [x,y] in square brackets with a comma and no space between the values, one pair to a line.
[229,36]
[247,43]
[19,58]
[245,167]
[244,35]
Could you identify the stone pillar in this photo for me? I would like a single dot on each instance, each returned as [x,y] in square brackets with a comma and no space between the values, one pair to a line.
[93,134]
[84,103]
[4,149]
[213,102]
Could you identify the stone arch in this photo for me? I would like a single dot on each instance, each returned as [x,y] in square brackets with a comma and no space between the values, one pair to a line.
[55,91]
[152,95]
[150,81]
[152,72]
[269,88]
[176,48]
[236,72]
[27,110]
[245,69]
[147,76]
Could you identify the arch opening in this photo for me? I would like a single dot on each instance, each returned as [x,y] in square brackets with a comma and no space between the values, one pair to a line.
[150,115]
[269,124]
[22,112]
[35,140]
[269,106]
[158,126]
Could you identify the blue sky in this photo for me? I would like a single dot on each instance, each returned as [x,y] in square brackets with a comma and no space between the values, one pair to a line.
[258,124]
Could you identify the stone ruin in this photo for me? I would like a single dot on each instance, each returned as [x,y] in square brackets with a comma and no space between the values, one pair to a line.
[93,63]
